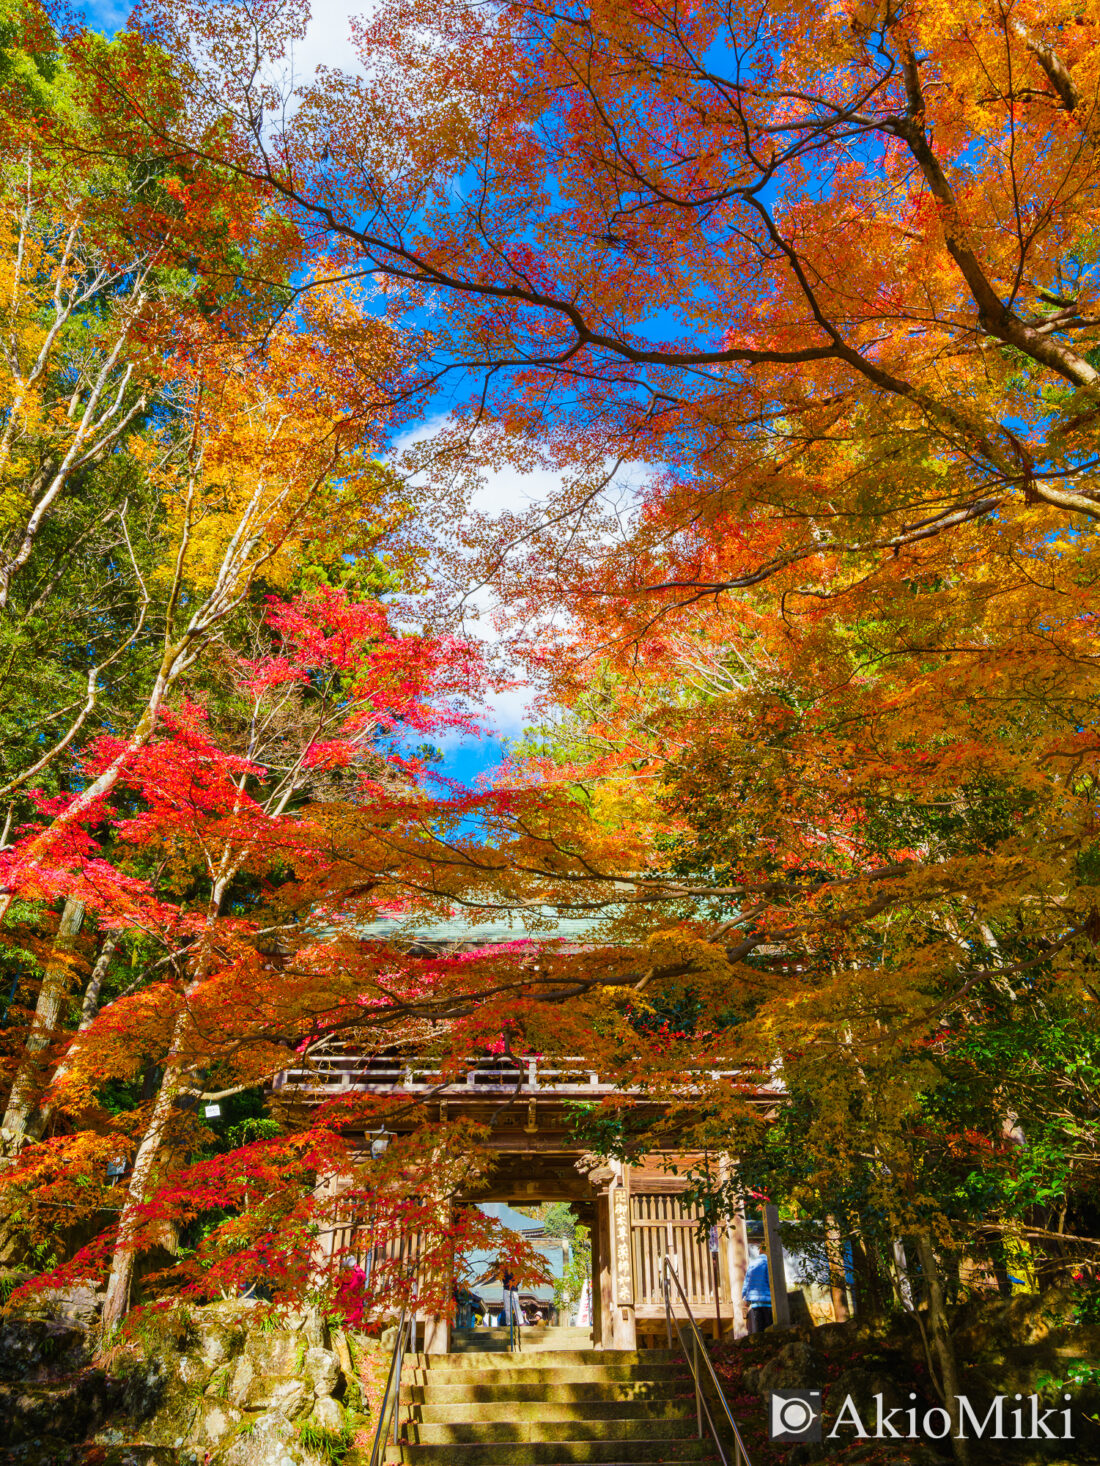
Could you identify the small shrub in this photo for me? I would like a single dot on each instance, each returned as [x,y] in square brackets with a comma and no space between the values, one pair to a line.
[1086,1305]
[8,1284]
[331,1445]
[1080,1375]
[157,1330]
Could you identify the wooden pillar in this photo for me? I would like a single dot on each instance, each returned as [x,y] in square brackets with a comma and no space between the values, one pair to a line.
[595,1301]
[437,1333]
[734,1258]
[601,1276]
[777,1273]
[436,1327]
[587,1212]
[734,1261]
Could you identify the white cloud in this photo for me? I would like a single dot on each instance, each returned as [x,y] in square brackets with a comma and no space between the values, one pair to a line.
[328,42]
[510,490]
[501,490]
[508,711]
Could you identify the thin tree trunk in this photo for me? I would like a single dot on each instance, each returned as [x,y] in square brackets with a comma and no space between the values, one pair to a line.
[869,1288]
[903,1288]
[38,1121]
[942,1343]
[834,1252]
[1000,1267]
[56,982]
[90,1007]
[117,1299]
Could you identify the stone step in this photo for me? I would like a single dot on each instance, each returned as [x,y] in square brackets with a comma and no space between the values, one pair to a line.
[547,1359]
[559,1392]
[544,1453]
[464,1341]
[535,1429]
[666,1406]
[529,1373]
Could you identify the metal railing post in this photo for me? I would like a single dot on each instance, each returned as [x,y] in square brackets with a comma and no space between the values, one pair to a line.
[405,1342]
[397,1404]
[397,1380]
[696,1365]
[391,1396]
[698,1388]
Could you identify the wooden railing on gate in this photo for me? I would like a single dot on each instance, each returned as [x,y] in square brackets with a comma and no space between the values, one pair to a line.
[327,1075]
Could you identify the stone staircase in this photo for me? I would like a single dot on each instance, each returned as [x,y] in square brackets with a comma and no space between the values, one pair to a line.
[555,1402]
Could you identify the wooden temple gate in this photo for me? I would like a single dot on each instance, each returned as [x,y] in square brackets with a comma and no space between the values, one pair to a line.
[637,1214]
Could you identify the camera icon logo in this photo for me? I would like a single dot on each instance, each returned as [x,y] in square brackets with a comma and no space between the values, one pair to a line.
[795,1415]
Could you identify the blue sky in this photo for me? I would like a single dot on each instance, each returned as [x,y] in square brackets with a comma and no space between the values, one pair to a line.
[105,17]
[473,756]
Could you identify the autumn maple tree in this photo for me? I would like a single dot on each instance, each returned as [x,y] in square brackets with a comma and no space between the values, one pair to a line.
[190,805]
[829,282]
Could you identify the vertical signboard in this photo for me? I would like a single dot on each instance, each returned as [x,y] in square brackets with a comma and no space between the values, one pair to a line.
[620,1215]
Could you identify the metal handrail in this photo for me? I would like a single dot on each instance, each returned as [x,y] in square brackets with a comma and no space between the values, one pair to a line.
[515,1342]
[391,1397]
[741,1456]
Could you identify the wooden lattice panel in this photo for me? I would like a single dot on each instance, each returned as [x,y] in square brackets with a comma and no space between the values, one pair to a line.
[662,1223]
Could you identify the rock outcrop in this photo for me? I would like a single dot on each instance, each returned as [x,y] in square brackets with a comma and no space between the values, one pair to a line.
[230,1384]
[253,1389]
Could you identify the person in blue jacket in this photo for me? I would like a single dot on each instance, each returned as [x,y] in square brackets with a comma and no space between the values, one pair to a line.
[757,1294]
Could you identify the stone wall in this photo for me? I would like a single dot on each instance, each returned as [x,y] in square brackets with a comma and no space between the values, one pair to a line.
[230,1384]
